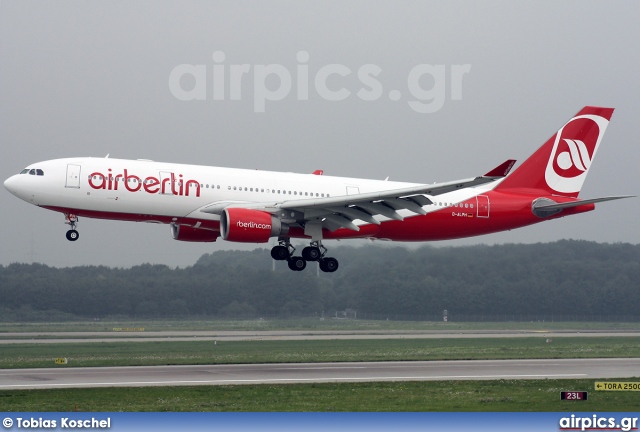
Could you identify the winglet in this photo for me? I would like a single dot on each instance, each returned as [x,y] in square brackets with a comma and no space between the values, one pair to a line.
[502,170]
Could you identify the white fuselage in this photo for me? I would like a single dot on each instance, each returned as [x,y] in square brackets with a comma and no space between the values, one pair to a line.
[110,187]
[165,189]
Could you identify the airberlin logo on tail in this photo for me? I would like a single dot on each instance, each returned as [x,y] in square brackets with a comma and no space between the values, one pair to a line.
[166,185]
[577,158]
[574,148]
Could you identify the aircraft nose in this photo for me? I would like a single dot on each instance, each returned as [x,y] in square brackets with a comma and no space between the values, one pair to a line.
[10,184]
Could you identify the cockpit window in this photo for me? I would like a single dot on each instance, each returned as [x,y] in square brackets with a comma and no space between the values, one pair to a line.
[32,171]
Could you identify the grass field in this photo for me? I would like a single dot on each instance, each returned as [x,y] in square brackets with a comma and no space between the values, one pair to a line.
[498,395]
[307,324]
[294,351]
[492,396]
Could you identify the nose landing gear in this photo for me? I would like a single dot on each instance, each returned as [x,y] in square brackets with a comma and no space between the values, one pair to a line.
[72,220]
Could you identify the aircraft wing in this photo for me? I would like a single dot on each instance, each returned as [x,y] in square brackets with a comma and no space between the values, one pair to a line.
[340,211]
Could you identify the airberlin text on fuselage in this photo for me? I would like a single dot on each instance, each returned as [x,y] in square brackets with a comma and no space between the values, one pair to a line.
[252,224]
[151,185]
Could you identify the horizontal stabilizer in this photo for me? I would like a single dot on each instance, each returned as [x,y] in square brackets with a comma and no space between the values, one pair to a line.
[560,206]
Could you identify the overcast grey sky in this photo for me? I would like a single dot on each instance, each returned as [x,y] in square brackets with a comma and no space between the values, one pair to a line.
[81,78]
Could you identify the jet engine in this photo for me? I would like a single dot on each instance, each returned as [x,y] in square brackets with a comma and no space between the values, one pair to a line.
[250,226]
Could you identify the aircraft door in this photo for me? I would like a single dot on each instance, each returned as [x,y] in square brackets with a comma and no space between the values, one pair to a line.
[73,176]
[482,207]
[353,190]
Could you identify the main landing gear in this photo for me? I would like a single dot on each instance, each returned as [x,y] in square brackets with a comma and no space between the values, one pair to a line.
[72,220]
[315,252]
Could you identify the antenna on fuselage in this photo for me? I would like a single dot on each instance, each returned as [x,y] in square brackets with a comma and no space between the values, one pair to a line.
[107,156]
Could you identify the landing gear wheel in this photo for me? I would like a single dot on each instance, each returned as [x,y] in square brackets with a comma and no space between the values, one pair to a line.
[72,221]
[280,253]
[311,253]
[297,263]
[328,265]
[73,235]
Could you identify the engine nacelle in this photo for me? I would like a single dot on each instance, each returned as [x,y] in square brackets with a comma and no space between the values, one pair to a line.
[189,234]
[250,226]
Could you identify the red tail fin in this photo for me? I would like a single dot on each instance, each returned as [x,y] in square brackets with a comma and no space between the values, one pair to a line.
[561,165]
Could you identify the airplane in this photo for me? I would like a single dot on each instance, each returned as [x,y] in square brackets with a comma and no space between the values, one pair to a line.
[202,203]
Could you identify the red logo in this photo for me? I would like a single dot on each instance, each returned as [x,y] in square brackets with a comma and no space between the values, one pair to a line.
[576,147]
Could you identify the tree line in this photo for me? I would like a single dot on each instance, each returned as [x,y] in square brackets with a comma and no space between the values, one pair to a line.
[561,278]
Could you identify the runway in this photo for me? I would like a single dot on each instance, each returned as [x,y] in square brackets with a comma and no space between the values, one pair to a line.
[142,376]
[176,336]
